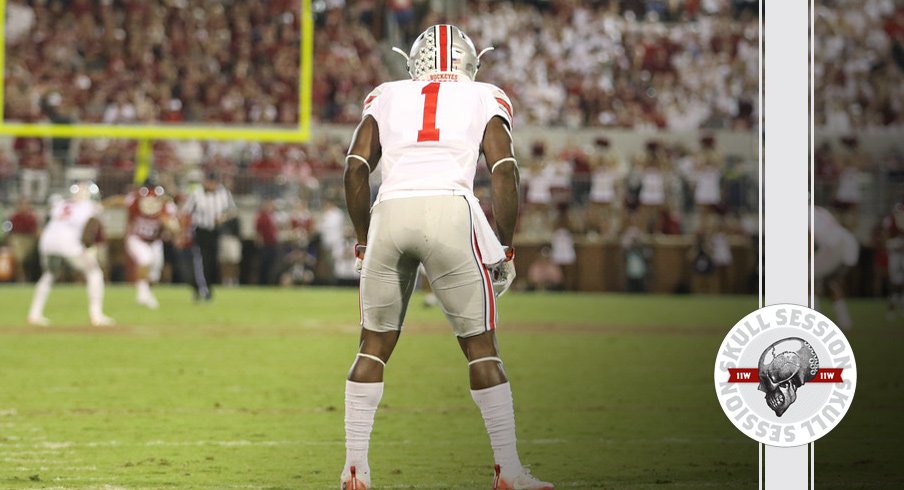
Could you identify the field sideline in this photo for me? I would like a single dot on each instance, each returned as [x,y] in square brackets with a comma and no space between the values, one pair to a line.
[611,391]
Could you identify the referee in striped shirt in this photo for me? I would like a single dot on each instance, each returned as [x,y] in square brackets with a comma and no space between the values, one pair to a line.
[210,206]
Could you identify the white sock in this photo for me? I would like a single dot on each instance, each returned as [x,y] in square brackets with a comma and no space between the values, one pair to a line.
[841,311]
[361,402]
[143,288]
[42,291]
[94,280]
[498,412]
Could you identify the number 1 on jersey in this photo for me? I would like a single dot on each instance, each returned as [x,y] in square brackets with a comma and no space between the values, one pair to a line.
[429,131]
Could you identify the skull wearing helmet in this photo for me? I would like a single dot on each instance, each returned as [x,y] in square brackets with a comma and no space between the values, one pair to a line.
[784,367]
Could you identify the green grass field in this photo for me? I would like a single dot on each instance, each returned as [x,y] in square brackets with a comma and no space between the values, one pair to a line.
[611,391]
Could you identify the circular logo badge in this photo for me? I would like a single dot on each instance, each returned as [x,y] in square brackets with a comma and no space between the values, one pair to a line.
[785,375]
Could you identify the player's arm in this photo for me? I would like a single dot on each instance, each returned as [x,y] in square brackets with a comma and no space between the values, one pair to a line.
[231,211]
[363,156]
[116,202]
[91,232]
[169,219]
[500,158]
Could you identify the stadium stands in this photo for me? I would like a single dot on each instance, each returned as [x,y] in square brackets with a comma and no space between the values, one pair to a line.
[642,69]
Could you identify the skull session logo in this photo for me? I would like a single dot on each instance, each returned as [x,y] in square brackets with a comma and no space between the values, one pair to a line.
[785,375]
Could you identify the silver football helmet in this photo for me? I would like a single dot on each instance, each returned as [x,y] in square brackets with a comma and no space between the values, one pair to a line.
[442,52]
[84,190]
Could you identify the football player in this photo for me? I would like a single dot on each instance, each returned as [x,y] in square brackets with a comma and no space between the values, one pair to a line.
[426,135]
[837,250]
[68,240]
[150,212]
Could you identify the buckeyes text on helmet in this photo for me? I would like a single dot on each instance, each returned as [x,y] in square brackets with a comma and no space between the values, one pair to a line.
[443,51]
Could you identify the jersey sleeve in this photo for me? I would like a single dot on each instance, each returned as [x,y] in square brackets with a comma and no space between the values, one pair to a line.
[373,101]
[499,104]
[169,208]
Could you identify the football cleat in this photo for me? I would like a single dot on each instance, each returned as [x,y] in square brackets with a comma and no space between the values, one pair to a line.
[351,481]
[102,321]
[38,321]
[521,481]
[148,301]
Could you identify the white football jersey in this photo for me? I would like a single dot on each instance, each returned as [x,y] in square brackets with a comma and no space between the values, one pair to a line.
[63,234]
[431,132]
[829,233]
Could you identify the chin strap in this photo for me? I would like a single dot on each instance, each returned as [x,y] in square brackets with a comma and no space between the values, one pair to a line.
[484,51]
[397,50]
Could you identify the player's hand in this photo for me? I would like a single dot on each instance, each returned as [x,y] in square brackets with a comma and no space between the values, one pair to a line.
[503,274]
[359,256]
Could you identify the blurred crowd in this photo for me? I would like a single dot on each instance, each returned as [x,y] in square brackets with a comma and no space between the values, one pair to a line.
[859,59]
[629,64]
[164,61]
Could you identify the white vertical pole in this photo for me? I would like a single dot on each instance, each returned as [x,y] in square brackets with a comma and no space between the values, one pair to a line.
[785,193]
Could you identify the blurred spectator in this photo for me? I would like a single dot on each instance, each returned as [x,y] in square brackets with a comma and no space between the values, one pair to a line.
[267,240]
[722,257]
[267,172]
[23,236]
[703,268]
[580,178]
[606,176]
[637,255]
[331,229]
[708,163]
[7,176]
[33,168]
[653,168]
[230,252]
[544,274]
[852,163]
[537,178]
[563,254]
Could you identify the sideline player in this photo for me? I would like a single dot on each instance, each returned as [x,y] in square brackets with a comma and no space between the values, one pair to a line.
[428,133]
[837,250]
[68,239]
[150,211]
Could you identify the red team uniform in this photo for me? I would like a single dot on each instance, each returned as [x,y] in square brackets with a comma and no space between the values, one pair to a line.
[148,210]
